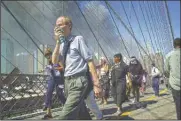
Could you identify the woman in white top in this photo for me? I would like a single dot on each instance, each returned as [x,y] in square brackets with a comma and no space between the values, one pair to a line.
[104,79]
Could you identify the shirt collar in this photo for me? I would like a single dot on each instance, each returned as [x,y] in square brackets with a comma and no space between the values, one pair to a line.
[69,37]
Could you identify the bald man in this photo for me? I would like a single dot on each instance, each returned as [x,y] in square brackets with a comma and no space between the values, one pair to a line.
[73,52]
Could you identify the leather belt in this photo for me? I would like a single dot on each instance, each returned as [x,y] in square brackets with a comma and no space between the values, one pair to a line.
[75,75]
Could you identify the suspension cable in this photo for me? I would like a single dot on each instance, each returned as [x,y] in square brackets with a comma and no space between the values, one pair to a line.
[118,31]
[92,31]
[140,27]
[22,27]
[151,24]
[131,28]
[160,25]
[75,26]
[155,27]
[169,20]
[151,41]
[165,24]
[126,28]
[21,45]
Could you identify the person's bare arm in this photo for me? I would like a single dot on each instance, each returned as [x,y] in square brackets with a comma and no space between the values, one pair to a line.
[93,72]
[97,88]
[55,55]
[59,36]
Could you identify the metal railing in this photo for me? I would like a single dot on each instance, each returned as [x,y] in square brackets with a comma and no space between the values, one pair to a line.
[22,94]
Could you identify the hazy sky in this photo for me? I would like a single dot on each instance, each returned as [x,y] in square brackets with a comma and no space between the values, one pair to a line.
[174,8]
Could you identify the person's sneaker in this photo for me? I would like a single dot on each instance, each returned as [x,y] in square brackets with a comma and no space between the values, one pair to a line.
[119,112]
[105,102]
[134,100]
[47,116]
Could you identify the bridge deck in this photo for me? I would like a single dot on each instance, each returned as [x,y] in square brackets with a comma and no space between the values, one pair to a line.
[154,108]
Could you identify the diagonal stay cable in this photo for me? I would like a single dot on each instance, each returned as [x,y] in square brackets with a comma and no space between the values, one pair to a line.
[22,27]
[126,28]
[154,21]
[147,15]
[160,31]
[92,31]
[162,10]
[131,26]
[169,20]
[21,45]
[163,23]
[139,26]
[157,32]
[159,24]
[103,29]
[118,31]
[147,27]
[75,25]
[153,25]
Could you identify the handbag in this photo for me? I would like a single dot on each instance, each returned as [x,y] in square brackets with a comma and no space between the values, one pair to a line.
[136,79]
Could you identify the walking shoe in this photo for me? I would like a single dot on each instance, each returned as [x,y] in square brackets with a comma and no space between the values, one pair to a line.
[105,102]
[47,116]
[134,100]
[119,112]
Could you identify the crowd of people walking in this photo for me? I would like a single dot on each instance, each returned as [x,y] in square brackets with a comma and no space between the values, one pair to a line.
[79,82]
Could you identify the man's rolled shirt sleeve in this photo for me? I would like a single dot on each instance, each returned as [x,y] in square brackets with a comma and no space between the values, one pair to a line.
[85,52]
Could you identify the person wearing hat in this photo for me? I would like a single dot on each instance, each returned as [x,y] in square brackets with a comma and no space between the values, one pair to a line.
[118,82]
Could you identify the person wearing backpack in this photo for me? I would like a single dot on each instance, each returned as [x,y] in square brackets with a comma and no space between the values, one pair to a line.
[155,75]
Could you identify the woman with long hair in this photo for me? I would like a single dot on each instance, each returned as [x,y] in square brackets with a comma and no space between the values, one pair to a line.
[104,79]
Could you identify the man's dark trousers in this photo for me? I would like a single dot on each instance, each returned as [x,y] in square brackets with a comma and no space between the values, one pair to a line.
[176,98]
[155,85]
[74,107]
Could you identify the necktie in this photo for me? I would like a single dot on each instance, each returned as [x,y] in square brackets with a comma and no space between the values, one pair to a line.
[65,50]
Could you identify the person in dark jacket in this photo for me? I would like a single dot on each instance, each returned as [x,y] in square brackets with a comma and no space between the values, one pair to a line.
[118,81]
[136,71]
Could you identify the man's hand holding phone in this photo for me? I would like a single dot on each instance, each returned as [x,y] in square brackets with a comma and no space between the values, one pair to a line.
[59,35]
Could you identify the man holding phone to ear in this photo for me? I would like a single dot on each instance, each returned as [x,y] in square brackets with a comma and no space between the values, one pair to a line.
[78,61]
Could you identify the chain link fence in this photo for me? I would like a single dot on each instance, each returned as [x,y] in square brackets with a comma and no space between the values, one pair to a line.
[23,94]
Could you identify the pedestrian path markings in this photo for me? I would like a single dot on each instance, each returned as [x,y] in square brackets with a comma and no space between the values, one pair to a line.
[147,99]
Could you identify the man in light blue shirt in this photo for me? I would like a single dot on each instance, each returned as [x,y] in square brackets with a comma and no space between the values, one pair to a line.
[172,70]
[77,60]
